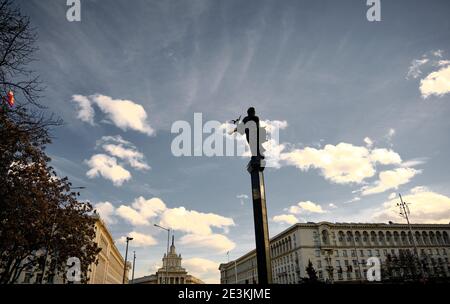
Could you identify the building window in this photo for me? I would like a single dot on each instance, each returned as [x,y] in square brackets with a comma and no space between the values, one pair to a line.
[344,253]
[337,253]
[361,253]
[319,264]
[317,253]
[377,252]
[27,278]
[369,252]
[385,252]
[353,253]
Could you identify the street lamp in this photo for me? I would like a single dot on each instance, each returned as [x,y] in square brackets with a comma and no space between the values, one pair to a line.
[167,252]
[126,257]
[134,262]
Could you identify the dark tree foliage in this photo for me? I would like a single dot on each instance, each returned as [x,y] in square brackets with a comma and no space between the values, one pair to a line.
[40,216]
[312,274]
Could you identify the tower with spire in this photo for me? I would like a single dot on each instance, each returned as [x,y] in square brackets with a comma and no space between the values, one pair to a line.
[171,269]
[173,260]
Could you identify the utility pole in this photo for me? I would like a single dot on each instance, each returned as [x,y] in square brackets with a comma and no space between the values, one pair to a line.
[126,257]
[405,212]
[134,262]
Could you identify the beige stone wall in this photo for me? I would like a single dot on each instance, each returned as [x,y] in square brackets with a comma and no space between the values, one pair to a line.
[339,245]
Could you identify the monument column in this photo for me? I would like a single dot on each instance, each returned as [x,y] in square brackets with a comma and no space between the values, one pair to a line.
[260,219]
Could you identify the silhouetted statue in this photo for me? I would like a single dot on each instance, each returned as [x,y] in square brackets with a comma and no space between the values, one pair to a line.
[254,134]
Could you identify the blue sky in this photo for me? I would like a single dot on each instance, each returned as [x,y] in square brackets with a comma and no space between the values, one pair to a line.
[364,106]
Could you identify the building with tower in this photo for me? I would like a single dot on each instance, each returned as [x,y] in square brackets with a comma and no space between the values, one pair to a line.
[171,271]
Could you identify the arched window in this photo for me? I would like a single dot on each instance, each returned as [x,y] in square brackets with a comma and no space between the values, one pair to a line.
[341,237]
[439,238]
[396,237]
[366,237]
[389,237]
[349,238]
[410,238]
[418,238]
[425,238]
[325,237]
[432,238]
[381,238]
[358,237]
[403,238]
[445,237]
[373,237]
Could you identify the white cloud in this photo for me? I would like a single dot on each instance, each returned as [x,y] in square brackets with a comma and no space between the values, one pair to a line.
[415,68]
[369,142]
[436,83]
[285,218]
[390,134]
[192,221]
[355,199]
[85,110]
[106,211]
[124,114]
[331,205]
[139,239]
[217,242]
[242,198]
[443,62]
[385,157]
[390,179]
[392,196]
[141,211]
[343,163]
[425,205]
[306,207]
[206,270]
[197,225]
[108,168]
[413,162]
[118,147]
[438,53]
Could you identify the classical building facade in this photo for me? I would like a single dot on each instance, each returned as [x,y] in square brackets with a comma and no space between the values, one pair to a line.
[171,271]
[108,270]
[110,266]
[339,251]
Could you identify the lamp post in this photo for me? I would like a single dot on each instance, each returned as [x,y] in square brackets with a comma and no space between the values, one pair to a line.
[134,262]
[405,212]
[167,251]
[126,257]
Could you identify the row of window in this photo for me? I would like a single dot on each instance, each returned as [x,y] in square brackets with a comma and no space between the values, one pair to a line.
[421,238]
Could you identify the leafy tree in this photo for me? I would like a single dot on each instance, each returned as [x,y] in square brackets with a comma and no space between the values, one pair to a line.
[41,221]
[312,274]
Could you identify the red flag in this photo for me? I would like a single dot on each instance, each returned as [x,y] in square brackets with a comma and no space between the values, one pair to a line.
[10,98]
